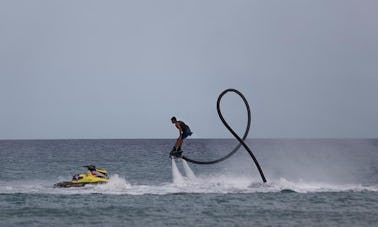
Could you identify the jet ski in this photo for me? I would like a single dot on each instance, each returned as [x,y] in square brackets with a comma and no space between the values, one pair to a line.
[92,176]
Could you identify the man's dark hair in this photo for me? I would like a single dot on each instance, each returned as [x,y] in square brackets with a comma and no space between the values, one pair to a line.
[173,119]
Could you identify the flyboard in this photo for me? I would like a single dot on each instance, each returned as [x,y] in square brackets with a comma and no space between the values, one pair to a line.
[176,154]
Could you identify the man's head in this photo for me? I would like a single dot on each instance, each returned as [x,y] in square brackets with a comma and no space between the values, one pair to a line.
[173,120]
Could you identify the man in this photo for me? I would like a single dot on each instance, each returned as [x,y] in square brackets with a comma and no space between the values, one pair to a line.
[92,169]
[184,131]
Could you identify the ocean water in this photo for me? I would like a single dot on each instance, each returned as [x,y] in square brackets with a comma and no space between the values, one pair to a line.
[315,182]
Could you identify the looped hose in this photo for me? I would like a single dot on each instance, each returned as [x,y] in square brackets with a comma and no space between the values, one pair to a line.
[241,140]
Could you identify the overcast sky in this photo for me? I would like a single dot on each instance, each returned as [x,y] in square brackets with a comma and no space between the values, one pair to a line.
[121,69]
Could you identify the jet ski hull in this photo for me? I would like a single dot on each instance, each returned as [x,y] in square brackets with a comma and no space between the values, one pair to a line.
[69,184]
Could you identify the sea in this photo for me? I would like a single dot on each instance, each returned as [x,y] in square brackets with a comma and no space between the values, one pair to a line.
[310,182]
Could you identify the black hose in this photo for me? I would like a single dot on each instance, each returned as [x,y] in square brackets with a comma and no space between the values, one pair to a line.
[241,140]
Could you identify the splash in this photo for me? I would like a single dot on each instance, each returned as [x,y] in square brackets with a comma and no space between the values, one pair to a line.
[220,183]
[188,171]
[115,184]
[178,179]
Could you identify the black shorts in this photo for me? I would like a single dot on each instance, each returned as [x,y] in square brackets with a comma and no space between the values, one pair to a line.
[186,133]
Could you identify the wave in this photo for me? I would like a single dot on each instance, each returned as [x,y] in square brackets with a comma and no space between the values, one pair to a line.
[222,184]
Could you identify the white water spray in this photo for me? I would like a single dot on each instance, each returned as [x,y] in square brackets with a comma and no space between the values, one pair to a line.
[188,171]
[178,179]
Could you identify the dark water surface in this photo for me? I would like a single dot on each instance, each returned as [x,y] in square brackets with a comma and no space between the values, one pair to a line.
[326,182]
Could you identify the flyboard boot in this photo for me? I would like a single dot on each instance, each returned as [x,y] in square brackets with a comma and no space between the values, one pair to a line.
[175,153]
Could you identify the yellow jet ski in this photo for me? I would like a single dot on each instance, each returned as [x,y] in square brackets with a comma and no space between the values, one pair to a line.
[92,176]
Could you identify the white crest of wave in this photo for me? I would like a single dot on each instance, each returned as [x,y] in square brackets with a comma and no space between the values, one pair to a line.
[283,184]
[218,183]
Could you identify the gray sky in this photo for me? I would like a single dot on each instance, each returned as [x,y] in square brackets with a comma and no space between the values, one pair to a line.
[121,69]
